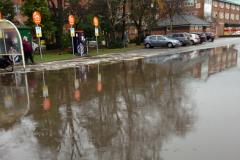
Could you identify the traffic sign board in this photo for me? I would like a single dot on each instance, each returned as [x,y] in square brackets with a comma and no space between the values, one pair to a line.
[38,32]
[72,32]
[36,17]
[96,32]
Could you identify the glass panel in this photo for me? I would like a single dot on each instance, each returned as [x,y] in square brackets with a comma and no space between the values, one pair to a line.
[9,39]
[160,38]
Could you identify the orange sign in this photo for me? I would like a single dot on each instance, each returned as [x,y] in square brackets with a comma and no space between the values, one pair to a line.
[46,104]
[99,87]
[36,17]
[95,21]
[77,95]
[71,20]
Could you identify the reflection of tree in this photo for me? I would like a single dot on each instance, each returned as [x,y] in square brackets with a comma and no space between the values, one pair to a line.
[134,115]
[140,107]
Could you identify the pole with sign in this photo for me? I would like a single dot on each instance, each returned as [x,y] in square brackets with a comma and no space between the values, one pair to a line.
[71,21]
[96,24]
[37,20]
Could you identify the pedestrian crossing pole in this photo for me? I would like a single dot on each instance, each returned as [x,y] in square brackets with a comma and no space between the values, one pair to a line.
[37,20]
[71,21]
[96,24]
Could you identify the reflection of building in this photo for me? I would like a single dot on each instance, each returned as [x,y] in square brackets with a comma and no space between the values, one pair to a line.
[218,60]
[222,58]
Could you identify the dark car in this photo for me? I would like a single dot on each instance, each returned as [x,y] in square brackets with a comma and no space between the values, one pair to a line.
[210,36]
[202,35]
[160,41]
[184,38]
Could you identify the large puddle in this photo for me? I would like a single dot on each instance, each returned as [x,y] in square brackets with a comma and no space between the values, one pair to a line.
[179,107]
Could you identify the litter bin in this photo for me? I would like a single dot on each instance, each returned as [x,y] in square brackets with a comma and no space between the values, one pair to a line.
[25,31]
[80,47]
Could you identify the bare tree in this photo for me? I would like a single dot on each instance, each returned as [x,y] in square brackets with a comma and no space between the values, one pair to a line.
[139,13]
[171,8]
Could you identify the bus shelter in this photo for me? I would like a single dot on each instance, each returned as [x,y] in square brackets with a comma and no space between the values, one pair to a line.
[11,42]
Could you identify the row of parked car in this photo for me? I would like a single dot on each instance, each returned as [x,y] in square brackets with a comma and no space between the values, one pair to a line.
[178,39]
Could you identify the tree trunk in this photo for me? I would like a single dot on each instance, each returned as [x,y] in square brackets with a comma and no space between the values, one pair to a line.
[140,35]
[60,23]
[124,20]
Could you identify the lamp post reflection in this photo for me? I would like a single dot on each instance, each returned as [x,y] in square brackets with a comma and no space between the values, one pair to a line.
[99,81]
[77,92]
[46,99]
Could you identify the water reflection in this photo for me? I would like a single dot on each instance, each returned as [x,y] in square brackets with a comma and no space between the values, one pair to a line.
[121,111]
[14,98]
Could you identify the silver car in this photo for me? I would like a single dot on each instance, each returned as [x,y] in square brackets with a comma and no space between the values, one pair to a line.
[160,41]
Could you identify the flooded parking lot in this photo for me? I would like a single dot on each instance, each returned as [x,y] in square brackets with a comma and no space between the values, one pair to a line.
[183,106]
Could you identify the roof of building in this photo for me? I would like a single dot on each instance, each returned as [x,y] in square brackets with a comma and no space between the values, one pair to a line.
[182,20]
[236,2]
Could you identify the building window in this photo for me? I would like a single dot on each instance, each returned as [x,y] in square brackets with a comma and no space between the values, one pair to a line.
[228,6]
[237,8]
[221,16]
[237,17]
[221,4]
[196,28]
[226,15]
[233,7]
[232,16]
[198,5]
[189,3]
[215,3]
[215,14]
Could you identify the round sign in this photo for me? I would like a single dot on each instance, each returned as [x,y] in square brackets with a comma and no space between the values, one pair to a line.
[46,104]
[71,20]
[95,21]
[36,17]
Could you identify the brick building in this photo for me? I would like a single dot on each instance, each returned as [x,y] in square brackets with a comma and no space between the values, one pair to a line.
[222,14]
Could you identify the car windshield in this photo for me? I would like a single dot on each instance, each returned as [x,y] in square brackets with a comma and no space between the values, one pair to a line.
[170,38]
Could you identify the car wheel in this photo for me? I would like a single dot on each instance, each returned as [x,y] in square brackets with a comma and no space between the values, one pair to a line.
[148,45]
[211,40]
[192,42]
[170,45]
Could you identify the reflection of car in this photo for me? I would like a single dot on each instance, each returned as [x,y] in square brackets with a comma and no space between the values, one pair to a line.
[184,38]
[35,47]
[160,41]
[195,39]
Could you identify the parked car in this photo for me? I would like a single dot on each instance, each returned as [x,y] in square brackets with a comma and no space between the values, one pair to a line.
[195,39]
[35,48]
[202,35]
[210,36]
[184,38]
[160,41]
